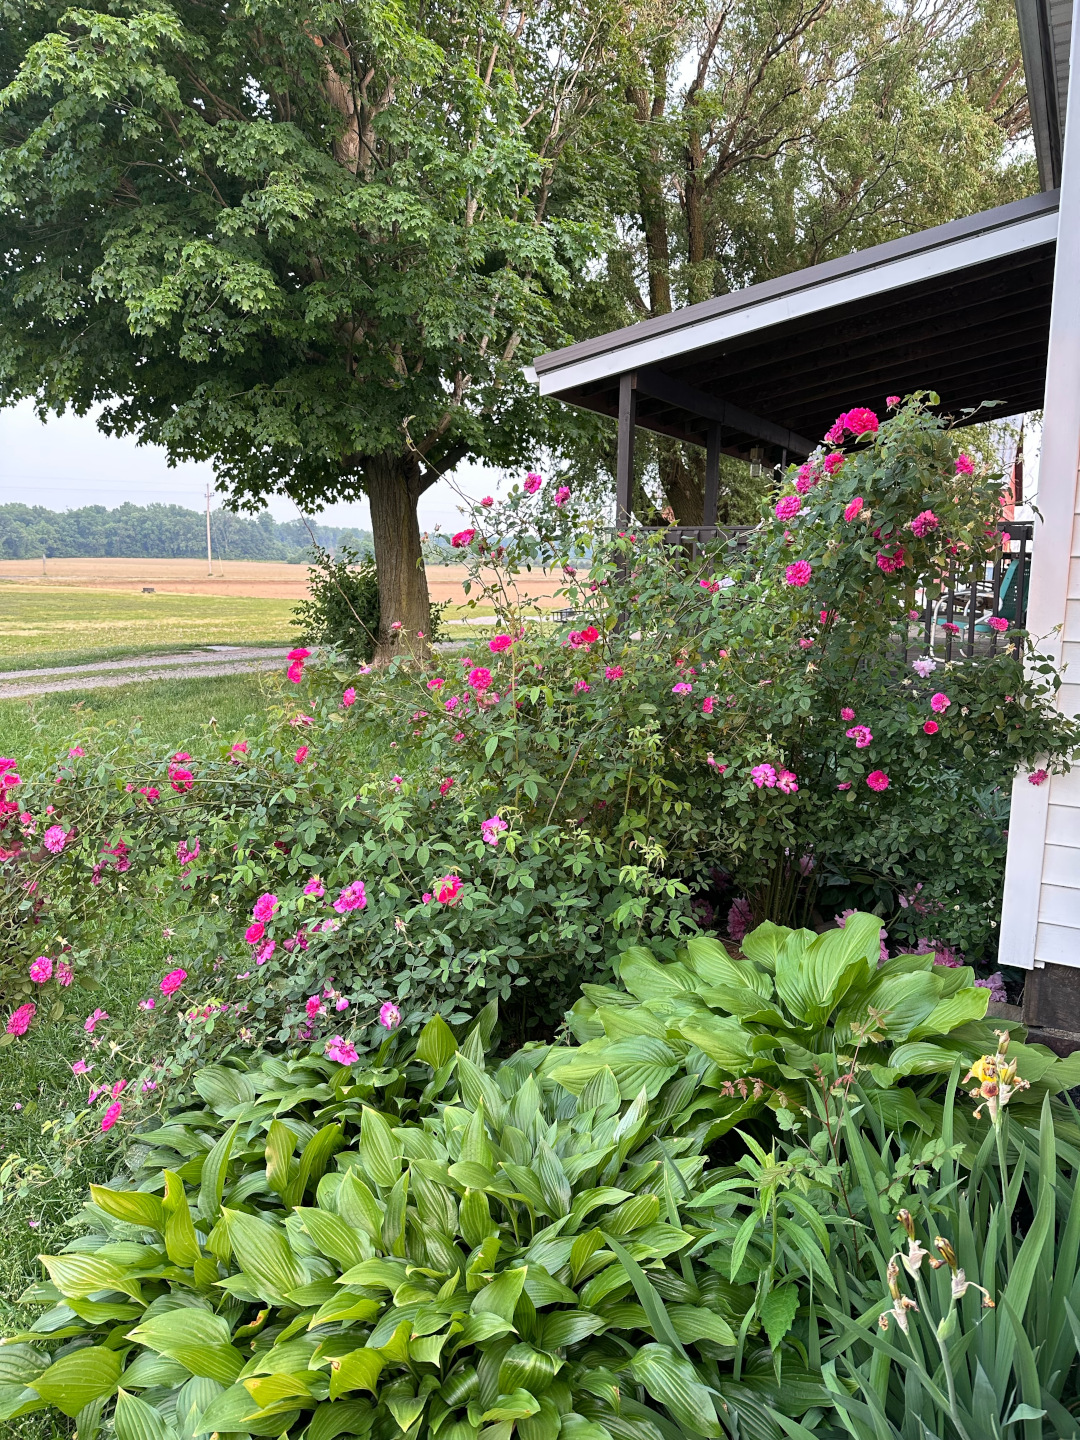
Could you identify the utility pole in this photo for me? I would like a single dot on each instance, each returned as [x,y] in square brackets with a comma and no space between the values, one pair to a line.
[209,556]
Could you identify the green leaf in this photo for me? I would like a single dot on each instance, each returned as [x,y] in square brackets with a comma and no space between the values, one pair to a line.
[264,1255]
[814,972]
[501,1296]
[777,1313]
[436,1044]
[181,1242]
[516,1406]
[82,1275]
[359,1370]
[133,1207]
[195,1338]
[280,1144]
[763,944]
[380,1151]
[672,1380]
[332,1235]
[215,1168]
[77,1379]
[955,1010]
[134,1419]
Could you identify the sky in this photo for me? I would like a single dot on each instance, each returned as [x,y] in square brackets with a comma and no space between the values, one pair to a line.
[68,462]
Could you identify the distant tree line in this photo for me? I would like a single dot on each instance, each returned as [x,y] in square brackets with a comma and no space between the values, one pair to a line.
[163,532]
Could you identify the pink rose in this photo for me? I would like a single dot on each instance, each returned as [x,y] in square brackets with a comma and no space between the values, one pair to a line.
[851,511]
[349,698]
[92,1020]
[446,889]
[532,482]
[41,970]
[353,897]
[500,642]
[389,1016]
[613,672]
[892,401]
[172,982]
[562,494]
[301,754]
[19,1020]
[463,539]
[930,727]
[787,507]
[112,1115]
[488,501]
[798,574]
[964,465]
[264,907]
[939,702]
[254,933]
[877,780]
[55,838]
[998,623]
[342,1052]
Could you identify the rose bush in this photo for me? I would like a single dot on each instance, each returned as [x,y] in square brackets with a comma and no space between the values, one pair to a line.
[745,727]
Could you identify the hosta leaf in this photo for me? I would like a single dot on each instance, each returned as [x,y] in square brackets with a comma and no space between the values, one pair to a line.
[553,1181]
[436,1044]
[695,1322]
[577,1427]
[332,1235]
[952,1011]
[672,1381]
[919,1057]
[501,1296]
[359,1370]
[714,966]
[763,944]
[346,1417]
[222,1088]
[515,1406]
[524,1368]
[195,1338]
[181,1242]
[358,1207]
[77,1379]
[814,972]
[134,1419]
[380,1151]
[567,1327]
[544,1425]
[214,1171]
[724,1041]
[264,1255]
[82,1275]
[644,977]
[132,1206]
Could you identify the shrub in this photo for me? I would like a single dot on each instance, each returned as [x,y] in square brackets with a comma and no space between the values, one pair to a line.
[342,608]
[425,1245]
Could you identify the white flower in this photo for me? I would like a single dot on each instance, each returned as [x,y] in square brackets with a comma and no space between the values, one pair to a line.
[925,666]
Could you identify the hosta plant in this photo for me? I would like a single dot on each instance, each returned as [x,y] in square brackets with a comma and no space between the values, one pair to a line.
[321,1252]
[794,1011]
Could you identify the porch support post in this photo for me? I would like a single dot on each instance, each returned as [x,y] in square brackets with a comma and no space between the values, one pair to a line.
[624,460]
[712,475]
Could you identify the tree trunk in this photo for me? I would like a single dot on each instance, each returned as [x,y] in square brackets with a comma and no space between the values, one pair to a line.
[391,481]
[682,478]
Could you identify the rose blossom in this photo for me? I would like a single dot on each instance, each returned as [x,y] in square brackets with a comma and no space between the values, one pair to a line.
[613,672]
[834,462]
[861,734]
[112,1115]
[254,933]
[707,704]
[479,679]
[533,482]
[41,970]
[488,501]
[55,838]
[348,698]
[892,401]
[314,887]
[264,907]
[301,754]
[925,666]
[64,973]
[463,539]
[19,1020]
[847,713]
[763,775]
[786,782]
[682,688]
[492,829]
[562,494]
[939,702]
[353,897]
[580,686]
[446,889]
[500,642]
[389,1016]
[924,524]
[851,511]
[877,780]
[92,1020]
[964,465]
[172,982]
[799,573]
[342,1052]
[998,623]
[1038,777]
[930,727]
[787,507]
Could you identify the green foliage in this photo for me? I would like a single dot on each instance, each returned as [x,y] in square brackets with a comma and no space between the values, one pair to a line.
[342,609]
[797,1012]
[425,1245]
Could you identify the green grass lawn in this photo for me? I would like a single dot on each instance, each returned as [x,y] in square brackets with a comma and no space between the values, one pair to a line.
[172,711]
[64,626]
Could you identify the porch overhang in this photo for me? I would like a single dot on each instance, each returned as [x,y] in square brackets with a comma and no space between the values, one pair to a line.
[963,309]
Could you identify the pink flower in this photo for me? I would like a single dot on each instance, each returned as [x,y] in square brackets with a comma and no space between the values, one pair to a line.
[314,1006]
[348,698]
[460,734]
[75,752]
[1038,777]
[436,683]
[834,462]
[998,623]
[19,1020]
[488,501]
[707,704]
[112,1115]
[532,482]
[185,856]
[853,509]
[892,401]
[314,887]
[847,713]
[389,1016]
[581,686]
[939,702]
[240,748]
[150,792]
[845,786]
[890,561]
[172,982]
[950,628]
[799,573]
[298,654]
[562,494]
[861,735]
[930,727]
[712,761]
[180,779]
[479,679]
[682,688]
[924,666]
[92,1020]
[786,782]
[118,1089]
[396,780]
[147,1086]
[342,1052]
[877,780]
[763,775]
[787,507]
[426,897]
[55,838]
[147,1004]
[264,907]
[613,672]
[295,672]
[925,523]
[64,973]
[861,421]
[446,889]
[805,643]
[500,642]
[352,897]
[964,465]
[301,754]
[41,970]
[835,433]
[302,720]
[81,1068]
[254,933]
[463,539]
[492,829]
[265,951]
[446,784]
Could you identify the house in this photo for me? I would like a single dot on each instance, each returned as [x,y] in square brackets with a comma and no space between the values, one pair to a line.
[977,309]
